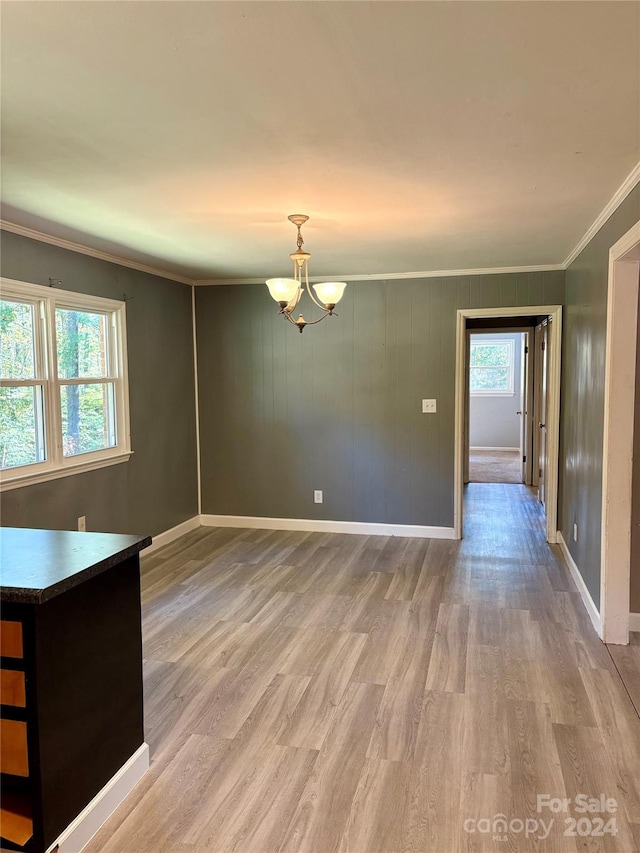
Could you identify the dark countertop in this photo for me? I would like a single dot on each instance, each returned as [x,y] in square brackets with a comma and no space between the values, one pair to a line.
[36,565]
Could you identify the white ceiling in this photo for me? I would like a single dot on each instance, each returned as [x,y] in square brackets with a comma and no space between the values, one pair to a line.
[417,135]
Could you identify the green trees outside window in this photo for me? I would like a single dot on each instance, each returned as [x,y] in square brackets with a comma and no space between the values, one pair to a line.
[21,420]
[491,367]
[86,408]
[63,383]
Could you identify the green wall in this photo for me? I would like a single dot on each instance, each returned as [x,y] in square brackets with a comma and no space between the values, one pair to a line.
[338,408]
[157,488]
[583,370]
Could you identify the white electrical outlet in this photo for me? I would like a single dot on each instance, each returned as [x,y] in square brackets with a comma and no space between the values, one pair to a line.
[82,523]
[428,407]
[575,532]
[317,496]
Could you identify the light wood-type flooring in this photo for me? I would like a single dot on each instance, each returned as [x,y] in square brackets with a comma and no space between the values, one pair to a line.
[314,692]
[627,661]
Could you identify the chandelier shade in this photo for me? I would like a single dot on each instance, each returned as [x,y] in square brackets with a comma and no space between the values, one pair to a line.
[282,289]
[330,292]
[287,292]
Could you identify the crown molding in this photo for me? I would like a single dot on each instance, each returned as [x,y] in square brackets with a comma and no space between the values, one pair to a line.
[632,179]
[392,275]
[86,250]
[116,259]
[616,200]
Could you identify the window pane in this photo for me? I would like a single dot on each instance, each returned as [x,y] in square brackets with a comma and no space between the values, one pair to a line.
[21,426]
[81,342]
[88,421]
[489,379]
[17,357]
[490,355]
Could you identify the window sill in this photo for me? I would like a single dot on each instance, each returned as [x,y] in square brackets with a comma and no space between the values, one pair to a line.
[492,394]
[20,480]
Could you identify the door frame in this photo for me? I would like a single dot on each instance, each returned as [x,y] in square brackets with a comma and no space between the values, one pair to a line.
[617,439]
[553,420]
[537,393]
[542,330]
[527,431]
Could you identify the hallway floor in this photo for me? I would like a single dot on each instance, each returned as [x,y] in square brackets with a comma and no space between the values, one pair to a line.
[495,466]
[312,693]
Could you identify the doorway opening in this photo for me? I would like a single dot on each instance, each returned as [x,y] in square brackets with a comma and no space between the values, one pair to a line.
[508,390]
[498,406]
[619,514]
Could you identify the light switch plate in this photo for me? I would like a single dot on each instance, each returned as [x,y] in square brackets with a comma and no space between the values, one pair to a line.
[428,407]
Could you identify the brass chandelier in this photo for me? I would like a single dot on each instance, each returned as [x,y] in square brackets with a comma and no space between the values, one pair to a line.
[287,292]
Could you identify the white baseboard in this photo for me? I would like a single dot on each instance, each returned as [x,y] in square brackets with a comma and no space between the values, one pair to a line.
[78,834]
[367,529]
[588,602]
[167,536]
[324,526]
[511,449]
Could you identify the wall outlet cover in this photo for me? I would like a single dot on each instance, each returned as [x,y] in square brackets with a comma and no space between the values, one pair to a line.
[428,407]
[317,496]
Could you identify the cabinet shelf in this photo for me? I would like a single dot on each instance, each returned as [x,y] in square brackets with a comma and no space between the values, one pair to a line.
[9,781]
[11,639]
[13,688]
[10,712]
[16,823]
[14,757]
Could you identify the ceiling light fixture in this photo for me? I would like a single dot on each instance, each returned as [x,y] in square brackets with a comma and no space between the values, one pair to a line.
[287,292]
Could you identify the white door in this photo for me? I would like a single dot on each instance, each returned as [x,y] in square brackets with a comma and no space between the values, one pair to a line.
[467,407]
[526,392]
[542,353]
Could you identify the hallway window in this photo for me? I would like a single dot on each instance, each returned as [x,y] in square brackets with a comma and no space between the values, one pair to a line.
[491,367]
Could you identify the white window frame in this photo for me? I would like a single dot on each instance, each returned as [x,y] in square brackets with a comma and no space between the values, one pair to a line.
[45,301]
[512,353]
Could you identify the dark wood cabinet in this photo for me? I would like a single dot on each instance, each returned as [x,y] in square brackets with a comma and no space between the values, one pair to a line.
[71,676]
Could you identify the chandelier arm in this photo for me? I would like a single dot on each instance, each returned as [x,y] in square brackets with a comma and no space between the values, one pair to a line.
[316,300]
[310,291]
[294,302]
[314,322]
[298,294]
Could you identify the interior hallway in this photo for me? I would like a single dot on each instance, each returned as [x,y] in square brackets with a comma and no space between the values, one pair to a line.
[323,692]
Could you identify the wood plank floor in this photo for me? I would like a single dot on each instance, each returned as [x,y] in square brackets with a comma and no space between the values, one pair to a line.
[627,661]
[312,693]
